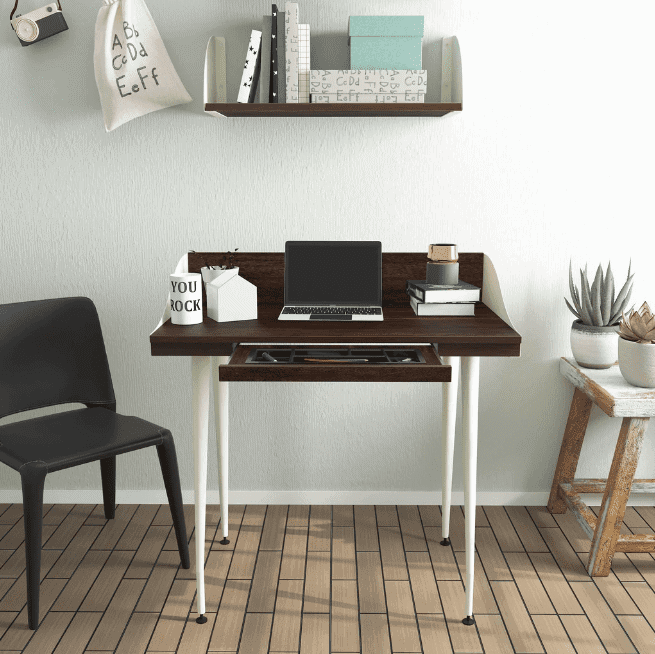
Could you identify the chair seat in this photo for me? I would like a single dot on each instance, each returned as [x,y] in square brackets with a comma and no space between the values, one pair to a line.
[74,437]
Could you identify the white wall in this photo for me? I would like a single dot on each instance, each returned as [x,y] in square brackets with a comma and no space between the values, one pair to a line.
[551,159]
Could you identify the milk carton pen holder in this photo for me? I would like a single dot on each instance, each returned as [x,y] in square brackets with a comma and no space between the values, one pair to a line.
[229,297]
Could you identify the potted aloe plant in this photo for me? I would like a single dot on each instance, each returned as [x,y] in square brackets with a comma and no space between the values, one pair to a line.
[594,335]
[637,347]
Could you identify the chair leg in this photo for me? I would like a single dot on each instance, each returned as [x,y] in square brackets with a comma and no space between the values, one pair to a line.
[32,481]
[168,463]
[108,474]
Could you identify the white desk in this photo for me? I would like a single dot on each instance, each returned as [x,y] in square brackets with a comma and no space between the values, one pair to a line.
[203,368]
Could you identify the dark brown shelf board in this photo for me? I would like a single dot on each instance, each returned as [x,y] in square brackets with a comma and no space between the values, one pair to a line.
[238,110]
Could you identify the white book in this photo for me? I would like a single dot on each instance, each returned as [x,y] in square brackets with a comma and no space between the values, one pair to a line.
[369,81]
[442,309]
[358,98]
[447,69]
[250,73]
[265,68]
[304,64]
[292,50]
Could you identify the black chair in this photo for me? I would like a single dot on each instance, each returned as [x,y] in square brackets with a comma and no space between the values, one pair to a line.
[52,352]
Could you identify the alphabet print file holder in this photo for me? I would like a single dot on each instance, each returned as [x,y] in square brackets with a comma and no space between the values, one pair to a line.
[134,73]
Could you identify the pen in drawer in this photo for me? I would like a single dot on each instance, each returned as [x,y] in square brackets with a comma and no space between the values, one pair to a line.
[337,360]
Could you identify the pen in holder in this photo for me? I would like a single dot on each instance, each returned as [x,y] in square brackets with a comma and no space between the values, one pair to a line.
[443,267]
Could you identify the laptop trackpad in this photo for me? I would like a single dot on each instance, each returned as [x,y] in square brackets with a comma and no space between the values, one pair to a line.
[330,316]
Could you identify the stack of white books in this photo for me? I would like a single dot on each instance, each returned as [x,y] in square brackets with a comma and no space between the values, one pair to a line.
[437,300]
[365,86]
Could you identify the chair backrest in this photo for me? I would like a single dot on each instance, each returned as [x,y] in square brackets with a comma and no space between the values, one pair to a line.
[52,352]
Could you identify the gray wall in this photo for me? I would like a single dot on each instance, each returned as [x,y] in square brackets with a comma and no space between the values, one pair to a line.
[551,159]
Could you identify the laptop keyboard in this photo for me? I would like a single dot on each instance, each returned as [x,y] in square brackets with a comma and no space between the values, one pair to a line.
[369,311]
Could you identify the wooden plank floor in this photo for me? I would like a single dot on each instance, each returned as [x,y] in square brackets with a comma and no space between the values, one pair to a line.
[322,579]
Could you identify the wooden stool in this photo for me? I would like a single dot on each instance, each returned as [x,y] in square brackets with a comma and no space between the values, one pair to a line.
[615,397]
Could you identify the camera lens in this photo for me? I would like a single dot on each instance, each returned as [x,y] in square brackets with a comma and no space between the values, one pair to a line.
[27,29]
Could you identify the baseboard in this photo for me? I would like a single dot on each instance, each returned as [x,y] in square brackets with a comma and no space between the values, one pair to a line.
[313,497]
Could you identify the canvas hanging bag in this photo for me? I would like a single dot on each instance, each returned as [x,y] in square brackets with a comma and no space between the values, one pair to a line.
[134,73]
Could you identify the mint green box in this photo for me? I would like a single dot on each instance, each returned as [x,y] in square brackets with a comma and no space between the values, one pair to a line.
[386,52]
[385,42]
[385,26]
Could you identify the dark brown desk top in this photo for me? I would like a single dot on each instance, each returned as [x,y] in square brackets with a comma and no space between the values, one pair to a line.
[484,334]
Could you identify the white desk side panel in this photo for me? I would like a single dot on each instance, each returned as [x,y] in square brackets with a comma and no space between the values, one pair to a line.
[491,293]
[182,267]
[215,84]
[457,89]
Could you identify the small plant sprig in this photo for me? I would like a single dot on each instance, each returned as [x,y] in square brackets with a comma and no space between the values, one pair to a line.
[203,260]
[228,258]
[597,305]
[638,326]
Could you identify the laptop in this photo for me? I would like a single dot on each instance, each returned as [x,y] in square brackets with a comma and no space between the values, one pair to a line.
[332,280]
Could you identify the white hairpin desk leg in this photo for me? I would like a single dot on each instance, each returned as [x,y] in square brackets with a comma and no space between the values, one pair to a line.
[448,419]
[470,393]
[221,397]
[200,377]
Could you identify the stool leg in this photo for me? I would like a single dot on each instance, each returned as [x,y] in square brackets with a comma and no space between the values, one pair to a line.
[576,426]
[617,490]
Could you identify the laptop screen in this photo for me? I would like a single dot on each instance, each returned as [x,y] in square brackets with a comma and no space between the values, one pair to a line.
[333,272]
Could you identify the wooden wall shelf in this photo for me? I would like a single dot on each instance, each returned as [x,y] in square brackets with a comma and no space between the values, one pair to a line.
[215,95]
[235,110]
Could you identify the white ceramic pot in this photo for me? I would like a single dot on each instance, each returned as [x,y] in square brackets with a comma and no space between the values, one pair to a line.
[594,347]
[637,363]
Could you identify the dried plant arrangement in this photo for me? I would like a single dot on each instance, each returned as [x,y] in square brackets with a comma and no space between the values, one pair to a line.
[597,305]
[638,326]
[227,259]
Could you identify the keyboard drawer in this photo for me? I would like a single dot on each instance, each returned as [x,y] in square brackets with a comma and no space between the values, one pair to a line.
[426,365]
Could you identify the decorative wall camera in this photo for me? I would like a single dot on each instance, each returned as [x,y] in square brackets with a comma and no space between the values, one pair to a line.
[39,24]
